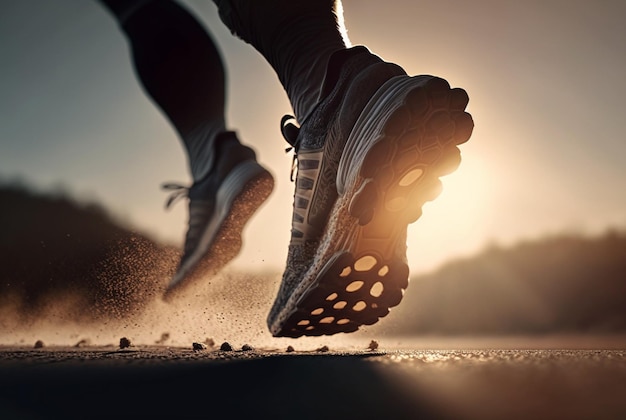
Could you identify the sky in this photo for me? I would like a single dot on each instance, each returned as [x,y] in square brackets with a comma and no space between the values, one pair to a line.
[545,80]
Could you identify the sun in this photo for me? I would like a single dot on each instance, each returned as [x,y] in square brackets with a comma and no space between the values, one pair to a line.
[452,224]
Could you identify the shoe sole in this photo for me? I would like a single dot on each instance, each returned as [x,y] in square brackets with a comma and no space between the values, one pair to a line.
[240,195]
[404,140]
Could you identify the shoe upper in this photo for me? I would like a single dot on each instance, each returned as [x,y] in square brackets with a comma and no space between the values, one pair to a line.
[352,78]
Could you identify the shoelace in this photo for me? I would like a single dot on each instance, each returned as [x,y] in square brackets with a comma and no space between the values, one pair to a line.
[178,192]
[290,133]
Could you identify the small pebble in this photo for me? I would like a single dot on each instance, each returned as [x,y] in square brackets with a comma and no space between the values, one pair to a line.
[226,346]
[290,349]
[39,344]
[124,342]
[199,346]
[373,345]
[323,349]
[247,347]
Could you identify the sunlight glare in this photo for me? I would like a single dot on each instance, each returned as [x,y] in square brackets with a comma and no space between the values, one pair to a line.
[451,224]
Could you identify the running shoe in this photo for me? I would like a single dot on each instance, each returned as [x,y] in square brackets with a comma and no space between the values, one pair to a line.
[368,157]
[219,207]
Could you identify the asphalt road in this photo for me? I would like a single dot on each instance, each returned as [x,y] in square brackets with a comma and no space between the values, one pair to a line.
[161,382]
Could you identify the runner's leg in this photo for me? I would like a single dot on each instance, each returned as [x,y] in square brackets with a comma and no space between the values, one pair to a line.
[181,69]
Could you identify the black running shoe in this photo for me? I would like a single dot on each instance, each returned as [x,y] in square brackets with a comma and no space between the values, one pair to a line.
[368,158]
[219,207]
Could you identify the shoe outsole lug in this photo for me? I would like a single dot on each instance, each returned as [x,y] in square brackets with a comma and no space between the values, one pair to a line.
[464,126]
[430,155]
[361,306]
[441,126]
[433,191]
[458,99]
[398,173]
[413,214]
[450,162]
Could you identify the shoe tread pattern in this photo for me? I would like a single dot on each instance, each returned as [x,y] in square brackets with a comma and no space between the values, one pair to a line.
[362,270]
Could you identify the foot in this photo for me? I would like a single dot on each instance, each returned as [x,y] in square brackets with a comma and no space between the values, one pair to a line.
[219,207]
[369,157]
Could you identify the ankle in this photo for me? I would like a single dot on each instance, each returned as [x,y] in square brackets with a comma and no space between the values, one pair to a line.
[336,63]
[229,152]
[352,78]
[349,70]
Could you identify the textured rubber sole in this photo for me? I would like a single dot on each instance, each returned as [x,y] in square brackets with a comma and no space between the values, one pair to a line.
[404,140]
[241,194]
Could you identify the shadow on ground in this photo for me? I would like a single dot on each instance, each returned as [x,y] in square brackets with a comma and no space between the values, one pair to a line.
[278,387]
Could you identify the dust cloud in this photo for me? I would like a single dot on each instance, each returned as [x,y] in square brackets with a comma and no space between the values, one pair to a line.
[126,301]
[72,274]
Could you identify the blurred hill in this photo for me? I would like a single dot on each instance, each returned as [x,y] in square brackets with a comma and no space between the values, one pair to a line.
[55,251]
[564,284]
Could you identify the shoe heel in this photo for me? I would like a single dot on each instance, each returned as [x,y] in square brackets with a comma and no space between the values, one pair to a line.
[403,141]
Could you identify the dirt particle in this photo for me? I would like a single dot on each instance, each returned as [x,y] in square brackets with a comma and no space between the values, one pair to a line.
[373,345]
[247,347]
[124,343]
[198,346]
[226,346]
[290,349]
[39,344]
[323,349]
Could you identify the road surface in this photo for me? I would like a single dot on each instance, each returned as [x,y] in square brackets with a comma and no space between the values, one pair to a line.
[174,382]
